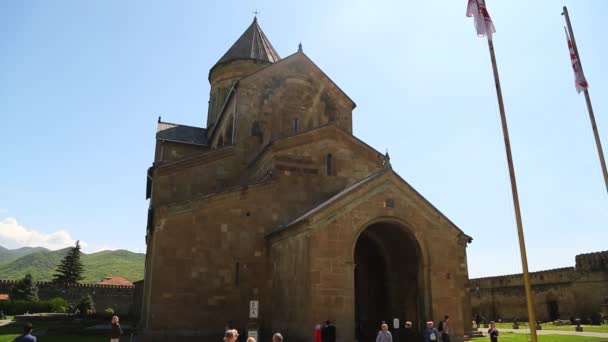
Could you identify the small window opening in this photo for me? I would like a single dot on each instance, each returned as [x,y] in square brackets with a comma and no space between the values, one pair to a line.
[296,125]
[236,274]
[329,164]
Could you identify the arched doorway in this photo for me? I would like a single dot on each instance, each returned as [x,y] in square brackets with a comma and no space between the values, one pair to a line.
[388,278]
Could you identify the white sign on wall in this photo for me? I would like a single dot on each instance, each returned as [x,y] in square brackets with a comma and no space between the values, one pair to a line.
[253,308]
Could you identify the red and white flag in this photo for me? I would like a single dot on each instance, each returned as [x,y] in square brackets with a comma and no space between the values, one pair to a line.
[579,78]
[483,22]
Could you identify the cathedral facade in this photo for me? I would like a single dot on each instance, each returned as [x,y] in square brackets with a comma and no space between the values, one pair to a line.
[275,217]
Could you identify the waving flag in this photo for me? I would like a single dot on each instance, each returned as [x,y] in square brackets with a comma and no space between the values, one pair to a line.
[483,22]
[579,78]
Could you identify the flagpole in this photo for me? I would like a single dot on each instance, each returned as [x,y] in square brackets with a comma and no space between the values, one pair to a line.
[598,143]
[520,231]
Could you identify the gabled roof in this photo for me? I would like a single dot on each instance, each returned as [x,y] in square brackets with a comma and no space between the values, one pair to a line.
[180,133]
[337,196]
[356,186]
[116,281]
[291,58]
[252,44]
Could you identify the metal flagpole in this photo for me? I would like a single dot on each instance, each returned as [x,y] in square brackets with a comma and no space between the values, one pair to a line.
[598,143]
[520,230]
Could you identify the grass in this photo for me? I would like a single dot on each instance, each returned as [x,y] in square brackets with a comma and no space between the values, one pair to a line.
[515,337]
[10,331]
[548,326]
[10,338]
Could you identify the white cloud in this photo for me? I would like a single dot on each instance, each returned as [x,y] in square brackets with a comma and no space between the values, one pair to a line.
[14,235]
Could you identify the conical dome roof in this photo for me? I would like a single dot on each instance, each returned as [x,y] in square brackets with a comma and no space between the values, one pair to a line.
[252,44]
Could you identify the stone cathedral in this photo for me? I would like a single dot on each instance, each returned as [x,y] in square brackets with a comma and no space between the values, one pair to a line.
[276,201]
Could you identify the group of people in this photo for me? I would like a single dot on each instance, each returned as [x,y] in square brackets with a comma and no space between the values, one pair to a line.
[232,335]
[441,333]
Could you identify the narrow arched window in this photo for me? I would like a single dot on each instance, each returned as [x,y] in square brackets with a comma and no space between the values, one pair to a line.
[296,125]
[220,141]
[329,164]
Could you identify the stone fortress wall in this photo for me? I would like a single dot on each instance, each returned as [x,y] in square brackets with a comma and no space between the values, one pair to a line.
[563,293]
[119,298]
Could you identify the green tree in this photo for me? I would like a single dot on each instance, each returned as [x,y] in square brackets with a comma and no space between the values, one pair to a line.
[70,270]
[86,305]
[25,289]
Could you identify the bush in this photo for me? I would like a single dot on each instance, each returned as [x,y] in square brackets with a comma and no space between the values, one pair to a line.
[86,306]
[20,307]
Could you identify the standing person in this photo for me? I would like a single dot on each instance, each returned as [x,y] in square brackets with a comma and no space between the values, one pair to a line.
[231,335]
[407,333]
[493,332]
[384,335]
[116,331]
[27,334]
[277,337]
[328,333]
[444,329]
[477,320]
[318,333]
[430,333]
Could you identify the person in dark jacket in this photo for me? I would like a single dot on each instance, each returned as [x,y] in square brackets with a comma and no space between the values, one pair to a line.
[116,331]
[27,334]
[407,334]
[328,332]
[493,332]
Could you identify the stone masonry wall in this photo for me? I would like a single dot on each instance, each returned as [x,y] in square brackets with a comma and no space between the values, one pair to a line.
[571,292]
[119,298]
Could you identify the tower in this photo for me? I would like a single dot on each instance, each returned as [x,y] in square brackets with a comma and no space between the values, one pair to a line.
[250,53]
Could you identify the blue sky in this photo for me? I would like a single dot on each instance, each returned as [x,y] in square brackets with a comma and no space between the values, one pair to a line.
[82,84]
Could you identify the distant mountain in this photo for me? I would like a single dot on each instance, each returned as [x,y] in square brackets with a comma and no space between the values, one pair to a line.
[42,265]
[8,255]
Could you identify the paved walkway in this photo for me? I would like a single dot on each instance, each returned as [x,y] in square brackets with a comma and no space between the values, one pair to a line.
[554,332]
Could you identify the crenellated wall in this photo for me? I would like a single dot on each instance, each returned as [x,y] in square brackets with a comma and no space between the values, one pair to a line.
[119,298]
[570,292]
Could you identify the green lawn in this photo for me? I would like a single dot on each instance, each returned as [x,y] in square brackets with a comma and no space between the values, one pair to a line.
[548,326]
[9,332]
[10,338]
[515,337]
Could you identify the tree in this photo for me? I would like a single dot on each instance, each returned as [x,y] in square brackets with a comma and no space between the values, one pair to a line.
[25,289]
[70,270]
[86,305]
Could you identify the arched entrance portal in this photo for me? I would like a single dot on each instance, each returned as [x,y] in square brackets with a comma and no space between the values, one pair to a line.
[387,279]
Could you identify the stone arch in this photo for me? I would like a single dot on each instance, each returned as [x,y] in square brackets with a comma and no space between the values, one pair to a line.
[390,276]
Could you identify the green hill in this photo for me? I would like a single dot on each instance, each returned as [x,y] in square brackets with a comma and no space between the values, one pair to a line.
[42,265]
[8,255]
